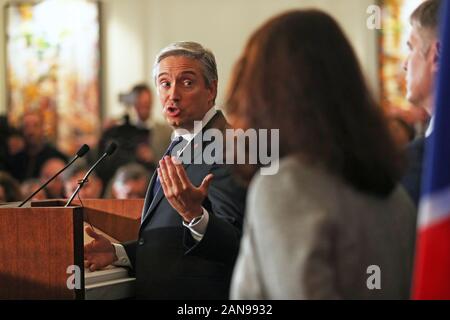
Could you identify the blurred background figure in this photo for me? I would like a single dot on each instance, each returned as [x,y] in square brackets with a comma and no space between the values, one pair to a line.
[11,142]
[93,189]
[9,188]
[55,189]
[140,139]
[16,141]
[29,186]
[334,208]
[28,162]
[130,182]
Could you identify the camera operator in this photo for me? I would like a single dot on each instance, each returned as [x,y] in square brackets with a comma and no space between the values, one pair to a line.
[139,139]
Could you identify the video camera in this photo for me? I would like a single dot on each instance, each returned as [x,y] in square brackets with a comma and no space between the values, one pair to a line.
[127,99]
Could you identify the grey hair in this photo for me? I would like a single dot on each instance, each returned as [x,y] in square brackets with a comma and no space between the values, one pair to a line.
[191,50]
[427,15]
[131,171]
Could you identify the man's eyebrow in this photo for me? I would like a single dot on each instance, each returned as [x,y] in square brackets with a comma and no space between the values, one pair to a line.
[189,72]
[182,73]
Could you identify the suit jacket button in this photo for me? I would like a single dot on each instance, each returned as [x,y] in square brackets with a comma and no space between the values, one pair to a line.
[141,241]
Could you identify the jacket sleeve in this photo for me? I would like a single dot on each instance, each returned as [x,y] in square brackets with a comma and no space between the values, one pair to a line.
[130,248]
[225,205]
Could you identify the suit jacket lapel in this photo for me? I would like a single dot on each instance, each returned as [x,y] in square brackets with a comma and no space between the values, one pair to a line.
[218,122]
[148,197]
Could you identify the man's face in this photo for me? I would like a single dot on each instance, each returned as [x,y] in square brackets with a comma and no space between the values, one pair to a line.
[33,131]
[183,92]
[131,189]
[143,105]
[55,189]
[420,67]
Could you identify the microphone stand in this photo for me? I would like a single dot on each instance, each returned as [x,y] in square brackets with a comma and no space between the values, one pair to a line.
[85,179]
[45,184]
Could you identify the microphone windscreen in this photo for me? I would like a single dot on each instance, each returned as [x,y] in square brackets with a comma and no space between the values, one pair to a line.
[83,150]
[111,148]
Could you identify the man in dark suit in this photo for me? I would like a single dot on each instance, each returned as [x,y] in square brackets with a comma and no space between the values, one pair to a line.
[192,216]
[421,67]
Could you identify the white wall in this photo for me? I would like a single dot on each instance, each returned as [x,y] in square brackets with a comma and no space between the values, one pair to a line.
[124,52]
[135,30]
[224,27]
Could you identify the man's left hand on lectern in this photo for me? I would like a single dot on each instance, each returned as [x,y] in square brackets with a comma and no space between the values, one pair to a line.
[99,253]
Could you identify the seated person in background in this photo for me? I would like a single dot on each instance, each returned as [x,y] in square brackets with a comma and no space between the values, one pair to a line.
[91,190]
[55,189]
[16,142]
[130,182]
[11,142]
[334,209]
[28,162]
[9,188]
[29,186]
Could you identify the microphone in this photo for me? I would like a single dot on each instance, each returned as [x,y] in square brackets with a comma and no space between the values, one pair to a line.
[83,150]
[109,151]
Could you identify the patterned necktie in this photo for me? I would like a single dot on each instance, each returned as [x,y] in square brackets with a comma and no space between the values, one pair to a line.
[173,144]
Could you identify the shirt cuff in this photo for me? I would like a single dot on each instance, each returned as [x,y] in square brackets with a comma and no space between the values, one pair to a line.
[122,257]
[198,228]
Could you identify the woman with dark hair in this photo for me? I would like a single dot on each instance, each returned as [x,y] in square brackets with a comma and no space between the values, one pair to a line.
[332,222]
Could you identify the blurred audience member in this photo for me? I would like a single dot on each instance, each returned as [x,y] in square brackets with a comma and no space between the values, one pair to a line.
[11,142]
[28,162]
[31,185]
[55,189]
[334,208]
[16,142]
[143,103]
[9,188]
[130,182]
[139,139]
[91,190]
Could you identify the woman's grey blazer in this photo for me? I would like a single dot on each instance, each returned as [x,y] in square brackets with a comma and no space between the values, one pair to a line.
[309,235]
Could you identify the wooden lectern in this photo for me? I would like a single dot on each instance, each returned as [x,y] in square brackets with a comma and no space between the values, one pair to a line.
[39,243]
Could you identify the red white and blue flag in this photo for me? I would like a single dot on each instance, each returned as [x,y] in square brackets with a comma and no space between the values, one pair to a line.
[432,264]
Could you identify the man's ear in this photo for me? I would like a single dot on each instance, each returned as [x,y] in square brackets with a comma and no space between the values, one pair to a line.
[436,51]
[213,90]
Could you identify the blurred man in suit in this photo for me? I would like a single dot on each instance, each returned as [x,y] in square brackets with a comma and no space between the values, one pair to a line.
[28,162]
[192,216]
[421,67]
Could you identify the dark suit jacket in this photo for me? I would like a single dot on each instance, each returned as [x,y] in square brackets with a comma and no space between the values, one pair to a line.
[412,180]
[168,263]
